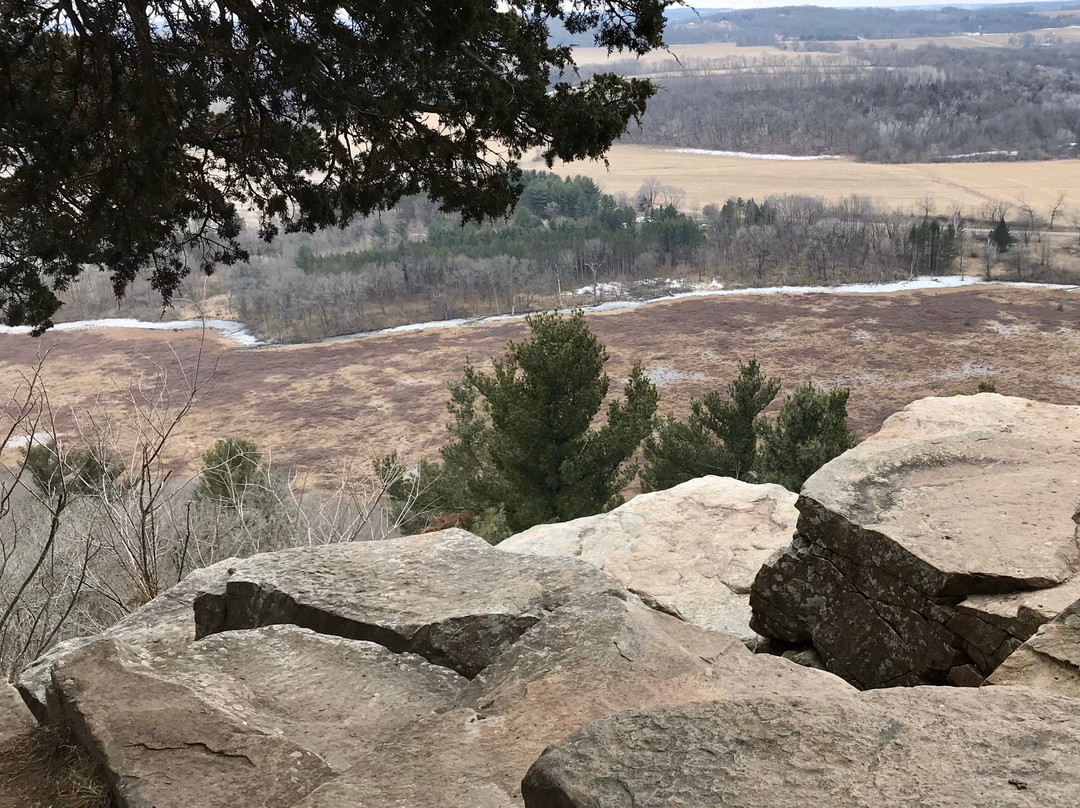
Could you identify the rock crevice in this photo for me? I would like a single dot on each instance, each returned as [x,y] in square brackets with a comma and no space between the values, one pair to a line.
[931,551]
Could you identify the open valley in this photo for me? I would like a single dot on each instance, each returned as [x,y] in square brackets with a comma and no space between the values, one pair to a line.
[311,406]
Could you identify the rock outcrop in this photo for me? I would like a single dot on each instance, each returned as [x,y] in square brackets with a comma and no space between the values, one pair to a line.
[427,671]
[15,719]
[582,662]
[447,596]
[932,550]
[166,622]
[1005,747]
[1049,659]
[691,551]
[164,744]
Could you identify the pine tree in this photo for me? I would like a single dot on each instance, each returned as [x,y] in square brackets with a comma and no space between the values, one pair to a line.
[810,430]
[232,470]
[1001,237]
[524,450]
[720,436]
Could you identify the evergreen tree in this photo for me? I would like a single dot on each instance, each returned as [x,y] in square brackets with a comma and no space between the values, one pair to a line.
[232,470]
[1001,237]
[720,437]
[134,133]
[78,472]
[810,430]
[524,449]
[305,259]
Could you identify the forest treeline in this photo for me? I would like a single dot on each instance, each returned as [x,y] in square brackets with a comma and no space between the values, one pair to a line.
[569,244]
[764,26]
[877,104]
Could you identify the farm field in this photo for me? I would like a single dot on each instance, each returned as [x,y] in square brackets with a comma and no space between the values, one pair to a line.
[710,178]
[760,53]
[705,50]
[311,405]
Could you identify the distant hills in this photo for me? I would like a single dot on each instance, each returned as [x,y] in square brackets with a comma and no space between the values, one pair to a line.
[766,26]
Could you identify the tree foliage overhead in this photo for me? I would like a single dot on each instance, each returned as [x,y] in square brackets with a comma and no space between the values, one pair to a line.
[525,450]
[130,133]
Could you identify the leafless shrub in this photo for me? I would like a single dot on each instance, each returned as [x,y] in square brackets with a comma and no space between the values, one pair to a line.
[79,552]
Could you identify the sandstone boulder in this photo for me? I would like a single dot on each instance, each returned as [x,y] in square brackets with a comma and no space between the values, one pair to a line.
[164,623]
[1049,659]
[925,746]
[691,551]
[583,661]
[476,660]
[15,719]
[276,711]
[162,744]
[448,596]
[920,552]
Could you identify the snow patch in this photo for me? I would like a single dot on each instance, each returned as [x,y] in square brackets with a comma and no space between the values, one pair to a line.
[967,370]
[607,288]
[237,332]
[662,375]
[753,156]
[22,441]
[1006,329]
[991,153]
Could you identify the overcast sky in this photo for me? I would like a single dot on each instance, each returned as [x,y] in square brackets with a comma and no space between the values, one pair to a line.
[703,4]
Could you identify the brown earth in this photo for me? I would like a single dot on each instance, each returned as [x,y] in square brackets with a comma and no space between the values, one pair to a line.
[313,404]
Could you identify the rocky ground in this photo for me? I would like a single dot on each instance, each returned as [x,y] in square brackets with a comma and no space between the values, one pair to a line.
[607,662]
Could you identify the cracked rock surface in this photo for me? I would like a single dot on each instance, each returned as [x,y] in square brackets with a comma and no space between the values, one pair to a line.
[583,661]
[447,596]
[1003,747]
[165,622]
[932,550]
[163,744]
[1049,659]
[283,715]
[692,550]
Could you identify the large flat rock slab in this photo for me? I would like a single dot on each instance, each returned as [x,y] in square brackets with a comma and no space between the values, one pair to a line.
[583,661]
[920,553]
[166,622]
[1001,747]
[448,596]
[278,709]
[1049,659]
[692,550]
[424,672]
[958,495]
[335,697]
[162,745]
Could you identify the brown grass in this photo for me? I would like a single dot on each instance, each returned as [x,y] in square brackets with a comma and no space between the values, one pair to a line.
[43,768]
[705,50]
[311,404]
[711,179]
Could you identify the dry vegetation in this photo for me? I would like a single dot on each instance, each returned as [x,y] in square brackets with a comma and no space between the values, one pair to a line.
[44,768]
[313,404]
[708,178]
[706,50]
